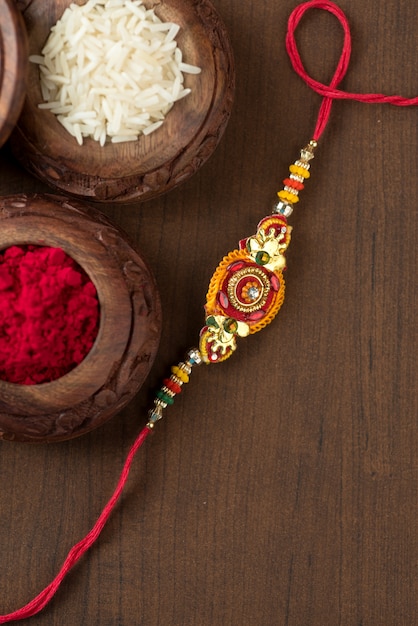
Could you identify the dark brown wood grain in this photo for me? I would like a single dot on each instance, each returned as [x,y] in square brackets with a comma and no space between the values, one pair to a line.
[281,488]
[155,163]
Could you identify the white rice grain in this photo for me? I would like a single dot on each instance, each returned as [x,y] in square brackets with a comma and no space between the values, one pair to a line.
[150,129]
[189,69]
[111,70]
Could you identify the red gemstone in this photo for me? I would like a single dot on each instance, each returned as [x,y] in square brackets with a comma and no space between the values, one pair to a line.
[275,283]
[223,299]
[235,266]
[257,315]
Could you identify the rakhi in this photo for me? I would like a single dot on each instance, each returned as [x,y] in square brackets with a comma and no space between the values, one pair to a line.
[247,289]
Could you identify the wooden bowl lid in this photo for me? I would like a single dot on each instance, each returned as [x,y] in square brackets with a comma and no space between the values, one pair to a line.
[13,66]
[154,164]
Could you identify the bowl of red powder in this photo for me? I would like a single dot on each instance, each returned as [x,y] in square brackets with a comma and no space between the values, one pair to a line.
[80,319]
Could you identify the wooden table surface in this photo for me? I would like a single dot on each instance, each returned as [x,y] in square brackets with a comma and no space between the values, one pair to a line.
[281,489]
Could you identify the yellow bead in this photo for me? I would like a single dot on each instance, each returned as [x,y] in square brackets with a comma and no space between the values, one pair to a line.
[289,197]
[301,171]
[175,378]
[181,374]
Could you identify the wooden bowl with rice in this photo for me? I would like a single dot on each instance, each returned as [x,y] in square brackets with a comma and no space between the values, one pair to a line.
[132,103]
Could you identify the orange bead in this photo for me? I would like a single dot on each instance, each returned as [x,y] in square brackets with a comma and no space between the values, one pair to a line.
[291,182]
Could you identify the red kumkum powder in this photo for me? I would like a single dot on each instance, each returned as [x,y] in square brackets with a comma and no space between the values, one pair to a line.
[49,314]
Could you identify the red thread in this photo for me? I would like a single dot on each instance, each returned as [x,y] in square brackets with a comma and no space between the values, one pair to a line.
[330,92]
[41,600]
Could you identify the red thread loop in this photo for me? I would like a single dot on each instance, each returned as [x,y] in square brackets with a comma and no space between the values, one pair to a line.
[330,92]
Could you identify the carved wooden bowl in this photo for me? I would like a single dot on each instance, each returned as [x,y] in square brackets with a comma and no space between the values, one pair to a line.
[154,163]
[13,66]
[129,330]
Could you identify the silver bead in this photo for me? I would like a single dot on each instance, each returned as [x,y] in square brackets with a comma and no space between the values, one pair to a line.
[303,164]
[282,208]
[300,179]
[291,190]
[307,153]
[194,357]
[185,367]
[155,415]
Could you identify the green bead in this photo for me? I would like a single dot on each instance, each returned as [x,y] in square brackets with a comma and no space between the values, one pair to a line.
[262,257]
[231,325]
[164,397]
